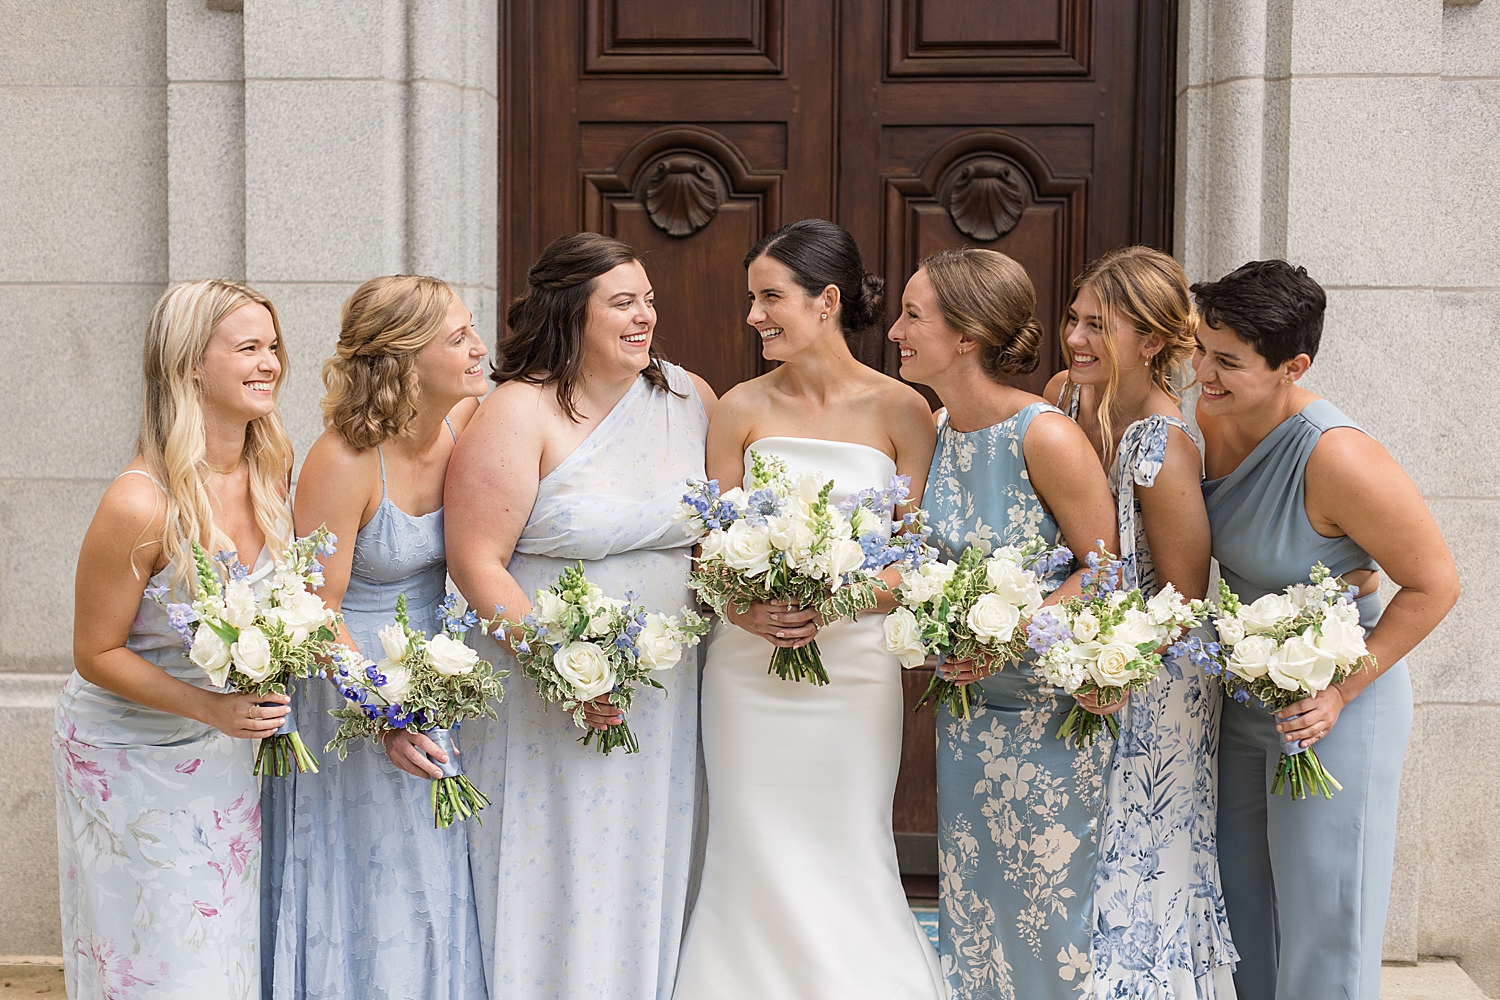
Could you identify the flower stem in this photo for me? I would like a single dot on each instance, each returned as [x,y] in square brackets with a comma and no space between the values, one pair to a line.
[802,663]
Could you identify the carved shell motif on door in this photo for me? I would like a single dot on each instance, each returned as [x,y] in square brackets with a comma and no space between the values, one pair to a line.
[984,196]
[682,192]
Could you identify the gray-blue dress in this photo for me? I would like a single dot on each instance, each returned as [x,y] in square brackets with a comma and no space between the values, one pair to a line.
[1018,811]
[362,896]
[1306,882]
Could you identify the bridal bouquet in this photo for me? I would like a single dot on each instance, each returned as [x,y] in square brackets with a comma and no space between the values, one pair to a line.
[1106,641]
[972,609]
[1281,649]
[578,644]
[426,685]
[256,639]
[781,540]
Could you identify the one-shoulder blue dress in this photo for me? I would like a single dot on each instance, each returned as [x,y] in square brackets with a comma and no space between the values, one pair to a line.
[1306,882]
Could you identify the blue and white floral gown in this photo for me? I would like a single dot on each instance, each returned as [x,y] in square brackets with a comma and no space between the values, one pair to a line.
[158,836]
[1018,811]
[1160,930]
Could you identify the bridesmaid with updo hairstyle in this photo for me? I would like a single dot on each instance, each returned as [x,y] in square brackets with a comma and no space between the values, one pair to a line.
[362,895]
[1293,482]
[1018,811]
[1161,931]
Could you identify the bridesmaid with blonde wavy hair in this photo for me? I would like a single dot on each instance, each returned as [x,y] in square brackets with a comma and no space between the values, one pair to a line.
[364,897]
[1160,929]
[158,825]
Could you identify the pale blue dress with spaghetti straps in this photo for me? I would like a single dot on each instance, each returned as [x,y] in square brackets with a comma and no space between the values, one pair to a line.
[1161,931]
[158,833]
[363,897]
[1307,882]
[1018,811]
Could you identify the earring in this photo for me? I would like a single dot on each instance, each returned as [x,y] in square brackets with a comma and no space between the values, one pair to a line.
[1288,380]
[824,316]
[963,350]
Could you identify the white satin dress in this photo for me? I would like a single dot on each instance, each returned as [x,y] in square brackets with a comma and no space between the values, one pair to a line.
[801,898]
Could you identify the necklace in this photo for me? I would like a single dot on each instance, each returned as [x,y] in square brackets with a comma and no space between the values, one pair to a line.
[223,472]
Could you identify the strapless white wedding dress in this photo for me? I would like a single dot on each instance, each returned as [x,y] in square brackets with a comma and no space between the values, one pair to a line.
[801,898]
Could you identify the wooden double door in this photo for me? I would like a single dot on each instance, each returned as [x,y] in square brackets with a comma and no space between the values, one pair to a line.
[691,128]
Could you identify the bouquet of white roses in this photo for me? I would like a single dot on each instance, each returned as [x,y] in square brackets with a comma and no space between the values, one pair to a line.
[781,540]
[1281,649]
[972,609]
[1106,641]
[426,685]
[579,644]
[257,638]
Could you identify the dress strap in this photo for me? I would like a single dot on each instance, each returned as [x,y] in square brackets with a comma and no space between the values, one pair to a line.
[141,472]
[1071,392]
[382,470]
[451,431]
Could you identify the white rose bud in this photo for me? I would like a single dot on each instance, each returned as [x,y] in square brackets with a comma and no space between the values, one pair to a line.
[450,657]
[747,548]
[992,618]
[1264,614]
[1252,657]
[251,654]
[393,640]
[586,668]
[655,646]
[239,604]
[1345,642]
[397,681]
[211,654]
[903,636]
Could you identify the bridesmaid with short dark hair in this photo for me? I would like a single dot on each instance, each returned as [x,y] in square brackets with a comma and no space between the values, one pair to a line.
[1292,482]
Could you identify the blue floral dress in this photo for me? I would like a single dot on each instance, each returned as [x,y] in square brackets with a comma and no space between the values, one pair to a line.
[1018,811]
[1160,931]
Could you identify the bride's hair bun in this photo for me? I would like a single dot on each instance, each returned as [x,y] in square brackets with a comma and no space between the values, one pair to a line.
[988,296]
[820,253]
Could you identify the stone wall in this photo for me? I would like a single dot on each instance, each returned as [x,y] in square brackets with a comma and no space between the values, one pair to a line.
[1362,142]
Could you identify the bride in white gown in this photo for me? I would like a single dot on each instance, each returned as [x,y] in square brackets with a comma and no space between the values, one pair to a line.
[800,897]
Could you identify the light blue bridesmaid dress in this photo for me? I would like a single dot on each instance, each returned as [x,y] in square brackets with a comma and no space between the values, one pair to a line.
[1160,928]
[1307,882]
[1018,811]
[363,897]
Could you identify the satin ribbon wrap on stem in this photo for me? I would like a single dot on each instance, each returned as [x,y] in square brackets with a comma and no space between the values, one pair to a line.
[1289,748]
[288,721]
[284,750]
[453,796]
[1299,772]
[444,739]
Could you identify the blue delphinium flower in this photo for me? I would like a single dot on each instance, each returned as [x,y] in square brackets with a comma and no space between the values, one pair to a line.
[326,547]
[1045,631]
[232,565]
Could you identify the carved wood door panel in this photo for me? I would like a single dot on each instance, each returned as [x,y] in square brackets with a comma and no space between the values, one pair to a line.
[1040,128]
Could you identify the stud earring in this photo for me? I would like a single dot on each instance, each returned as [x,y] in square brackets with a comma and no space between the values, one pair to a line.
[1288,380]
[824,316]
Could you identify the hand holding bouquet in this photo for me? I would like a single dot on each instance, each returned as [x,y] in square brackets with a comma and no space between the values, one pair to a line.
[578,644]
[1281,649]
[781,540]
[257,638]
[425,685]
[974,609]
[1105,643]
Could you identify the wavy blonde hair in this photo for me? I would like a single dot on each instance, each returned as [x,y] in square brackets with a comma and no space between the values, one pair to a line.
[372,379]
[1147,289]
[991,298]
[173,440]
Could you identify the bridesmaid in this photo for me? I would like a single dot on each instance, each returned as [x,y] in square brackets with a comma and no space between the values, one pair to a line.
[1018,810]
[582,453]
[158,819]
[363,896]
[1160,929]
[1293,482]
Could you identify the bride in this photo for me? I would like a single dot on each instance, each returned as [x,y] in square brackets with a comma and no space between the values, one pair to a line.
[800,896]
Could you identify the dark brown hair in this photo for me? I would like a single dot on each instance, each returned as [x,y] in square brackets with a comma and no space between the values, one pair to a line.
[820,253]
[543,341]
[990,297]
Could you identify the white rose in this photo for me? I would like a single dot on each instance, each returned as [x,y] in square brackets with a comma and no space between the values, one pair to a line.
[301,615]
[252,654]
[548,608]
[1264,614]
[1300,664]
[903,636]
[397,681]
[1112,667]
[393,641]
[211,653]
[845,556]
[239,604]
[586,668]
[1344,641]
[656,646]
[1013,583]
[1164,605]
[1085,627]
[713,546]
[450,657]
[1231,632]
[734,497]
[1137,629]
[747,548]
[1252,657]
[993,618]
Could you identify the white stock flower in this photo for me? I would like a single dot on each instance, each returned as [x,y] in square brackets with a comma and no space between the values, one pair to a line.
[1085,626]
[1112,667]
[927,581]
[1067,670]
[1252,657]
[903,636]
[239,604]
[993,618]
[1345,642]
[1136,629]
[1165,606]
[1230,630]
[397,681]
[747,548]
[1266,613]
[251,654]
[1301,665]
[301,615]
[211,654]
[450,657]
[392,640]
[657,646]
[586,668]
[1344,611]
